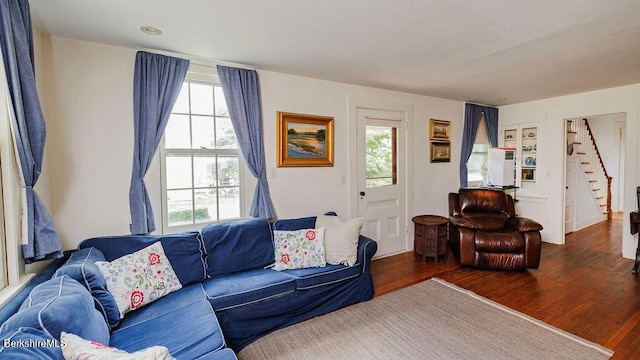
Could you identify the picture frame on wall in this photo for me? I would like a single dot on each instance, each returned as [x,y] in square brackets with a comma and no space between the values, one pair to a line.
[304,140]
[439,130]
[440,152]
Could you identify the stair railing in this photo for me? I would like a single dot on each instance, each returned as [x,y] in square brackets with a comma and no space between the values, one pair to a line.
[591,160]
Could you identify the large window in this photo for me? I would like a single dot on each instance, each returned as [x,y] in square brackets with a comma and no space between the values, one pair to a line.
[201,160]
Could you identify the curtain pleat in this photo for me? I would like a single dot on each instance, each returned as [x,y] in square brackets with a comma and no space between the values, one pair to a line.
[156,85]
[41,241]
[242,93]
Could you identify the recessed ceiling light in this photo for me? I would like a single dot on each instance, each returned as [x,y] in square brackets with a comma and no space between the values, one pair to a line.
[150,30]
[502,99]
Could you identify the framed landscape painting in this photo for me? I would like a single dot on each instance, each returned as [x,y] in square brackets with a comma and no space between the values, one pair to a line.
[304,140]
[440,152]
[439,130]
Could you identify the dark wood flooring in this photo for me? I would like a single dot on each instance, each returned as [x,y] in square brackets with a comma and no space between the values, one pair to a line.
[584,287]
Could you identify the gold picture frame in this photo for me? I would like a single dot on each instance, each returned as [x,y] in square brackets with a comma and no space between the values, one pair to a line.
[439,130]
[440,152]
[304,140]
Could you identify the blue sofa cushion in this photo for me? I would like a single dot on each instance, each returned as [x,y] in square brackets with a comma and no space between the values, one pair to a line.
[189,332]
[295,224]
[13,345]
[234,246]
[308,222]
[185,251]
[82,268]
[314,277]
[187,295]
[47,308]
[224,354]
[239,289]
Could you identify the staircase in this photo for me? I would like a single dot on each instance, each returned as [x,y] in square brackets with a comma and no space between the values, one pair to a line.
[579,136]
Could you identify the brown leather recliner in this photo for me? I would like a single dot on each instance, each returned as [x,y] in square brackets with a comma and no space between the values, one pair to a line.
[485,233]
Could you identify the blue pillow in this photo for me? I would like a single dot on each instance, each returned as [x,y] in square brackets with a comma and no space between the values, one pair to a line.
[185,251]
[82,268]
[12,348]
[234,246]
[57,305]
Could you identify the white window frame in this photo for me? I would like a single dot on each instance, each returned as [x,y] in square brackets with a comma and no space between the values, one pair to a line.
[14,271]
[204,74]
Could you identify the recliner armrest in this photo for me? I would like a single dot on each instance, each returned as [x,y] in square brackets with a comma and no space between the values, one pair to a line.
[464,222]
[523,224]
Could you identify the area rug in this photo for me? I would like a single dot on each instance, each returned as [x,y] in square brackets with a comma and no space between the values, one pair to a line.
[430,320]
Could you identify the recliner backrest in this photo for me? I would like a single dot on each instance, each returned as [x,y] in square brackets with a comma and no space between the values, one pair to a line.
[483,201]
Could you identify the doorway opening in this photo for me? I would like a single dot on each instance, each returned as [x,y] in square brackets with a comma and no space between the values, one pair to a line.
[594,169]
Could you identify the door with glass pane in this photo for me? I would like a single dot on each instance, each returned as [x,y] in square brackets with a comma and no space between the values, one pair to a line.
[382,178]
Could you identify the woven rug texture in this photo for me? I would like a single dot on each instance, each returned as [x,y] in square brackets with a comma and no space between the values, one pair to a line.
[430,320]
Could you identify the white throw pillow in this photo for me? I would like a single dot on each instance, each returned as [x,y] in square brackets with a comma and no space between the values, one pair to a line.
[139,278]
[298,249]
[77,348]
[340,239]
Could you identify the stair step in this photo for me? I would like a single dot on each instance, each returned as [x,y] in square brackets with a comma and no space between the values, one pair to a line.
[603,205]
[585,163]
[599,197]
[577,143]
[572,132]
[588,172]
[581,153]
[597,189]
[593,181]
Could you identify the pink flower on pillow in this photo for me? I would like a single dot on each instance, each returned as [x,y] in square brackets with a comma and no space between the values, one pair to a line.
[311,235]
[137,298]
[285,258]
[154,259]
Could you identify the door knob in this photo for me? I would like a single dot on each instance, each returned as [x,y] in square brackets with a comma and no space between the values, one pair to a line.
[362,193]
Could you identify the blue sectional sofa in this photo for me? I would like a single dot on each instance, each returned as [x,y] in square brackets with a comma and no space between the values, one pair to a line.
[229,297]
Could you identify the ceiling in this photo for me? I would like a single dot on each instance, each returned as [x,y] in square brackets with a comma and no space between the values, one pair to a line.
[493,52]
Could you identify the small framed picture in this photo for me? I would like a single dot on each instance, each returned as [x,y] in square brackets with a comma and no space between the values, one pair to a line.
[439,130]
[440,152]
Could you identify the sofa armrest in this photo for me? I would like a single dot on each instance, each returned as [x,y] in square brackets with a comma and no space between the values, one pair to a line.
[523,224]
[366,249]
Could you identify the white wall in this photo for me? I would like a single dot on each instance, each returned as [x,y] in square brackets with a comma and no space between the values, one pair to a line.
[89,96]
[550,211]
[90,137]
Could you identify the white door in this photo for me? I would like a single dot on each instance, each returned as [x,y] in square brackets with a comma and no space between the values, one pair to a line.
[381,139]
[570,196]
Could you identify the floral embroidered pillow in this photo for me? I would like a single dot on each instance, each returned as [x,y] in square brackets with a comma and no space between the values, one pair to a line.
[299,249]
[139,278]
[75,347]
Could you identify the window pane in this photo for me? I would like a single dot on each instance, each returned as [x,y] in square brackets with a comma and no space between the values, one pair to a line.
[202,127]
[221,104]
[201,99]
[180,209]
[176,134]
[229,202]
[228,169]
[178,171]
[206,207]
[380,156]
[182,103]
[225,136]
[204,171]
